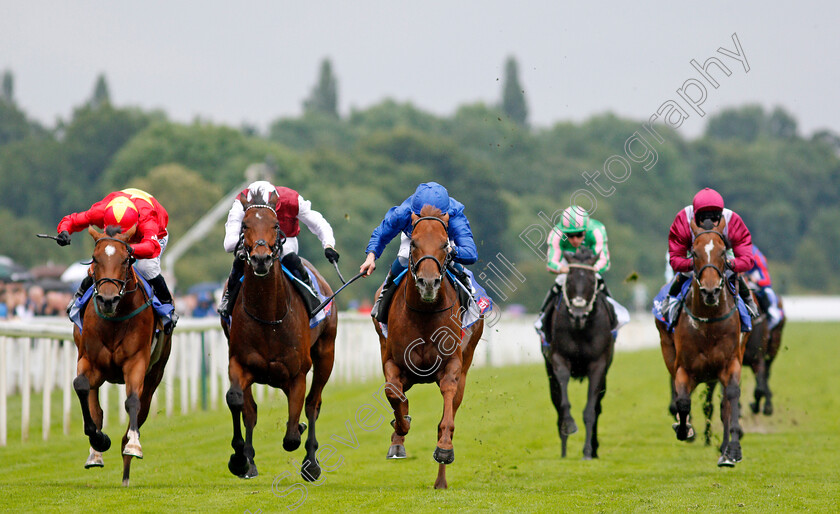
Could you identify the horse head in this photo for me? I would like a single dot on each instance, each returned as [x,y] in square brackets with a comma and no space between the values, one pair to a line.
[708,252]
[430,251]
[112,260]
[262,238]
[581,287]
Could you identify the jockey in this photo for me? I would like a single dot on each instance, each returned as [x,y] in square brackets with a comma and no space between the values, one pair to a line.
[760,276]
[291,209]
[128,208]
[398,220]
[708,205]
[574,230]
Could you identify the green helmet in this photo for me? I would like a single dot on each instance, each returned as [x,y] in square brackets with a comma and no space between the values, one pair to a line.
[574,219]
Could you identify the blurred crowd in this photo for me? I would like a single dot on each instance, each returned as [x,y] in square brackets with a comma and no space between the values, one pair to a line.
[21,300]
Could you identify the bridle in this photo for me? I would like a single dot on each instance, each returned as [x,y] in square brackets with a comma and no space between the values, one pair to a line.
[589,304]
[442,266]
[279,240]
[121,284]
[697,279]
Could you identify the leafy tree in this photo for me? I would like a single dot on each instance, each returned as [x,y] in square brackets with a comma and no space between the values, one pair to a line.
[744,124]
[8,95]
[101,95]
[324,96]
[513,96]
[781,124]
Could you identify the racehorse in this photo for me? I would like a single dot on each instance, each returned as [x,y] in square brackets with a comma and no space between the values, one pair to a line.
[425,341]
[117,345]
[581,347]
[270,342]
[762,347]
[707,345]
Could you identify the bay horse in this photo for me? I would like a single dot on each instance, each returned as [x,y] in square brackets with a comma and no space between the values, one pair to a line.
[270,342]
[117,345]
[425,341]
[762,347]
[581,346]
[707,345]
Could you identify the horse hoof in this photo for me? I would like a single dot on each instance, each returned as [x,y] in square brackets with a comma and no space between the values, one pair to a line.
[689,435]
[133,450]
[568,427]
[310,473]
[238,465]
[444,456]
[768,409]
[251,473]
[725,462]
[100,442]
[754,407]
[290,444]
[94,460]
[396,451]
[125,483]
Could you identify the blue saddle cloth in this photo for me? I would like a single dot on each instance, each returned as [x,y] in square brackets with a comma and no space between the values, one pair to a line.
[163,310]
[319,317]
[667,308]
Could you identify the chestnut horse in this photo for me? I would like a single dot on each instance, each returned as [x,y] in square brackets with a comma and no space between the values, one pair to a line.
[581,347]
[117,346]
[707,345]
[425,341]
[270,342]
[762,347]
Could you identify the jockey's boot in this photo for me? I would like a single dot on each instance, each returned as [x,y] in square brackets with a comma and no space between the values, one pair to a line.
[546,310]
[295,265]
[746,295]
[460,274]
[676,284]
[162,292]
[232,289]
[378,312]
[83,287]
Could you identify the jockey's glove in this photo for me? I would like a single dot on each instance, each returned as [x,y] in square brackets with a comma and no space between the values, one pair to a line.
[63,238]
[331,255]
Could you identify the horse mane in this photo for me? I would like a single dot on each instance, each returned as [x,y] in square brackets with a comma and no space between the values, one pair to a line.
[709,225]
[583,254]
[430,211]
[113,230]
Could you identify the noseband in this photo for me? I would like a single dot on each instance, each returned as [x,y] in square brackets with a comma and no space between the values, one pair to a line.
[279,240]
[591,302]
[693,255]
[121,284]
[414,266]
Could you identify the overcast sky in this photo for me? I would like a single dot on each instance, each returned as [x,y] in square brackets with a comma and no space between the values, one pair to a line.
[254,61]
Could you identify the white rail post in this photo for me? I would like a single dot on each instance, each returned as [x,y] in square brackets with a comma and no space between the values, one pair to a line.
[182,374]
[3,406]
[25,389]
[67,386]
[213,369]
[169,379]
[48,385]
[194,365]
[121,396]
[103,402]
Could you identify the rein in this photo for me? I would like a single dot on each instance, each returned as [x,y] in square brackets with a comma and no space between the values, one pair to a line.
[698,273]
[588,306]
[697,280]
[405,300]
[269,322]
[413,266]
[279,240]
[130,272]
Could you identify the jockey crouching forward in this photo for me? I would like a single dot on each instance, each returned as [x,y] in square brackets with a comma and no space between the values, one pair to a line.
[129,208]
[291,208]
[574,230]
[760,276]
[398,221]
[706,206]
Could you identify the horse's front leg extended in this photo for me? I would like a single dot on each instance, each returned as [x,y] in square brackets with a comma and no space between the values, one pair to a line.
[134,374]
[394,392]
[235,397]
[445,453]
[294,428]
[730,411]
[683,385]
[86,385]
[597,390]
[566,425]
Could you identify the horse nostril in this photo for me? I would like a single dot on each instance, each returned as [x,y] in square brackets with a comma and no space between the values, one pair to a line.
[436,283]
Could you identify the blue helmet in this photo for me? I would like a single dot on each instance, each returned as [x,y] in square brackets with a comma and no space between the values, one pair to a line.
[430,193]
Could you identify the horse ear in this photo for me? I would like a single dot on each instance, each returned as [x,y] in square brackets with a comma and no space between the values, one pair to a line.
[128,235]
[445,219]
[273,198]
[592,260]
[694,228]
[95,234]
[721,224]
[414,218]
[569,255]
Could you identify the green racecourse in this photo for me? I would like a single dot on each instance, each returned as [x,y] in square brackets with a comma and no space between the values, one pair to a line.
[507,452]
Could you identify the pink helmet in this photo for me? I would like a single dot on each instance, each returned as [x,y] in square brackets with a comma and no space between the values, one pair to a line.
[707,200]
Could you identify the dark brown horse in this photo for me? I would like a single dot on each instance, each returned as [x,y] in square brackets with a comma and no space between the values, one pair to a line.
[425,341]
[761,350]
[270,342]
[581,347]
[707,345]
[117,345]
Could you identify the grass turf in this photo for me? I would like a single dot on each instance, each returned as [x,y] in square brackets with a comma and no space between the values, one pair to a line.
[507,451]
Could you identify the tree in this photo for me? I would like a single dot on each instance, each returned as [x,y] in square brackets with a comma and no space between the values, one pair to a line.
[8,87]
[101,95]
[513,96]
[745,124]
[324,96]
[781,124]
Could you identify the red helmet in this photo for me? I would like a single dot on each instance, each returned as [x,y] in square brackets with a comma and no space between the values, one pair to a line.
[121,211]
[708,200]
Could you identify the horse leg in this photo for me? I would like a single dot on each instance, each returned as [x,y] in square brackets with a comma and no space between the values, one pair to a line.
[322,363]
[445,452]
[134,373]
[597,390]
[683,386]
[760,371]
[566,425]
[150,383]
[394,388]
[669,355]
[768,394]
[708,410]
[294,428]
[729,414]
[249,417]
[86,385]
[238,462]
